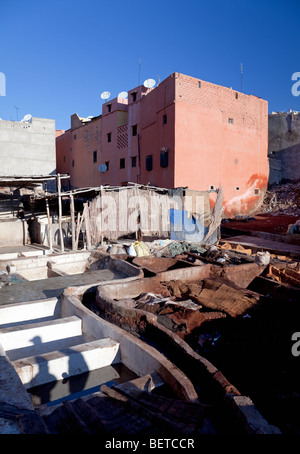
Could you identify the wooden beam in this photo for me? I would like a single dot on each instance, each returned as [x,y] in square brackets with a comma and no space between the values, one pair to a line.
[49,225]
[87,226]
[72,210]
[62,246]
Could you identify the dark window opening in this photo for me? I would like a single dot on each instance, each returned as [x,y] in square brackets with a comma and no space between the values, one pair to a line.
[256,191]
[199,84]
[73,163]
[212,188]
[134,96]
[107,165]
[122,163]
[164,159]
[75,137]
[164,119]
[236,96]
[133,161]
[134,130]
[237,188]
[149,163]
[109,107]
[109,137]
[230,120]
[94,156]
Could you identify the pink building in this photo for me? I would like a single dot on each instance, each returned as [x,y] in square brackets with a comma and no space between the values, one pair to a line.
[183,132]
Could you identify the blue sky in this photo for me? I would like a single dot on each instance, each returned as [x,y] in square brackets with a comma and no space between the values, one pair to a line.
[59,56]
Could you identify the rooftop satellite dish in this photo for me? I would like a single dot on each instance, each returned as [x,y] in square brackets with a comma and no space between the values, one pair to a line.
[149,83]
[105,95]
[102,168]
[27,117]
[123,94]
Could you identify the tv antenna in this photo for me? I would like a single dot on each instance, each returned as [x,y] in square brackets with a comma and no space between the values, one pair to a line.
[105,95]
[17,110]
[139,72]
[242,70]
[149,83]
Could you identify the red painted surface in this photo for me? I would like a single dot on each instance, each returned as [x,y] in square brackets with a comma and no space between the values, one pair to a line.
[214,137]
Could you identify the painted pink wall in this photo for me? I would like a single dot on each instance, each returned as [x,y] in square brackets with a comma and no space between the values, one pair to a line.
[210,151]
[204,149]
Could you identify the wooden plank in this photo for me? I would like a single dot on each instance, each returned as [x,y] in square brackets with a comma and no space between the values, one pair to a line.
[49,225]
[72,210]
[62,247]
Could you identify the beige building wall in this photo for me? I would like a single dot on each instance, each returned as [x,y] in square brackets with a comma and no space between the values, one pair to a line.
[27,148]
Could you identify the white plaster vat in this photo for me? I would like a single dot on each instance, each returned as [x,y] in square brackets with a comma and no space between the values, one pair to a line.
[44,341]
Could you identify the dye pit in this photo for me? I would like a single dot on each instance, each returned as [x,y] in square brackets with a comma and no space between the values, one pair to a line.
[70,388]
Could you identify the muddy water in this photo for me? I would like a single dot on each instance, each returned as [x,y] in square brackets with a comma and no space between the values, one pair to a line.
[70,388]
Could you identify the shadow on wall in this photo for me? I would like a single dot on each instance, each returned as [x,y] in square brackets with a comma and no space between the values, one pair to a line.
[77,366]
[284,165]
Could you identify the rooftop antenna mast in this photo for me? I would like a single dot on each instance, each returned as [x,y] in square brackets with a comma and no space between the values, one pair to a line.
[242,69]
[139,71]
[17,110]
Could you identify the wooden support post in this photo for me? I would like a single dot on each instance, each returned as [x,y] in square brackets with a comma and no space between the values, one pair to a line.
[62,247]
[49,225]
[101,206]
[87,227]
[72,210]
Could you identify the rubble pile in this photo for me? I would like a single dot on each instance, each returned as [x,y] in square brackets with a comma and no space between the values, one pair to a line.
[282,199]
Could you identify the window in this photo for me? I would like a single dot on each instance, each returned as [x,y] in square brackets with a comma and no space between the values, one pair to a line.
[133,161]
[236,96]
[107,165]
[212,188]
[109,107]
[256,191]
[164,158]
[149,163]
[230,120]
[75,137]
[109,137]
[164,119]
[95,156]
[199,84]
[73,163]
[134,130]
[237,188]
[122,163]
[134,96]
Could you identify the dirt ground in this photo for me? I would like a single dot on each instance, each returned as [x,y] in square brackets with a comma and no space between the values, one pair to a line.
[266,222]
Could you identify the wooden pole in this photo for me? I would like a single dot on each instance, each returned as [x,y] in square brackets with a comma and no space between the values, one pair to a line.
[101,207]
[49,226]
[60,213]
[72,210]
[87,227]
